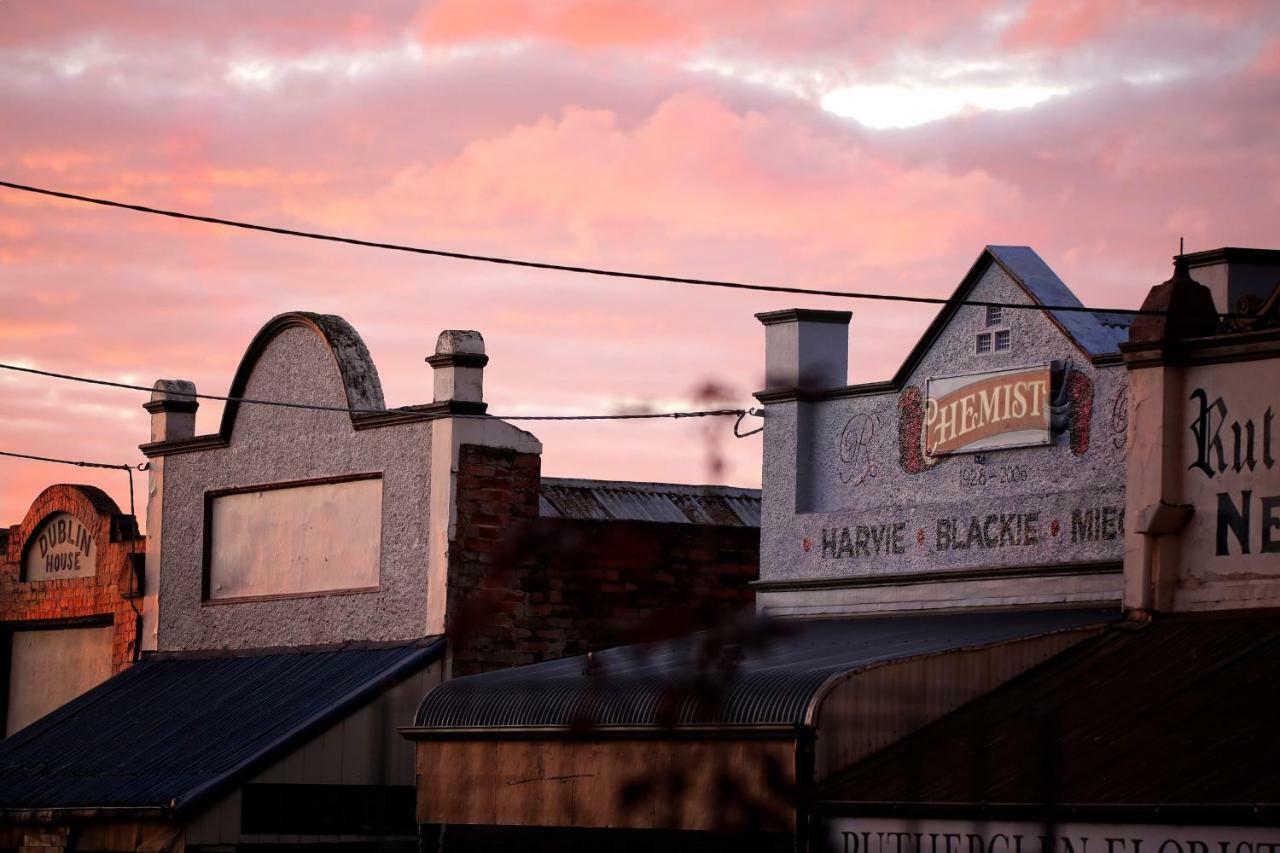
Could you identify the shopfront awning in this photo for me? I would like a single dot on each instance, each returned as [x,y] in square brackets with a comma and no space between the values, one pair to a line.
[176,728]
[1174,720]
[769,675]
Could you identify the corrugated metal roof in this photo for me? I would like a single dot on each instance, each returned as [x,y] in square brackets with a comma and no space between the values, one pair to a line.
[773,679]
[614,500]
[1098,334]
[1177,713]
[171,730]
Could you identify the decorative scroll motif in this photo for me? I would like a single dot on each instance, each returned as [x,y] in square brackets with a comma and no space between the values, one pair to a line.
[855,448]
[1120,417]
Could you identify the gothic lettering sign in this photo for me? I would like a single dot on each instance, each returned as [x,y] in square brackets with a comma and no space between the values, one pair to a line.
[892,835]
[1234,456]
[987,411]
[61,547]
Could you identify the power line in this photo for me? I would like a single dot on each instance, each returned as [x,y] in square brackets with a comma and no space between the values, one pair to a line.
[636,416]
[79,463]
[542,265]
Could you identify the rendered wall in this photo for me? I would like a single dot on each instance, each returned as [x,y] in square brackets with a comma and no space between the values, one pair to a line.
[1210,447]
[271,446]
[851,496]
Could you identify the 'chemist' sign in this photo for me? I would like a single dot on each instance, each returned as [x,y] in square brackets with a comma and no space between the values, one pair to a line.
[987,411]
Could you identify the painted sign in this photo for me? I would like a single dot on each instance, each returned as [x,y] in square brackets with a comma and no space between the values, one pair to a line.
[886,537]
[987,411]
[1247,519]
[895,835]
[61,547]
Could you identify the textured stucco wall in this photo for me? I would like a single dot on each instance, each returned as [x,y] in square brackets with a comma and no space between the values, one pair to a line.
[841,464]
[272,445]
[1221,457]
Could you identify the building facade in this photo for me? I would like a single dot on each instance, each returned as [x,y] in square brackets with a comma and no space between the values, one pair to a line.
[923,540]
[312,570]
[70,599]
[971,607]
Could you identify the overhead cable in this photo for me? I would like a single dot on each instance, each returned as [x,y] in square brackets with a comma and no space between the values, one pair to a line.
[79,463]
[406,410]
[596,271]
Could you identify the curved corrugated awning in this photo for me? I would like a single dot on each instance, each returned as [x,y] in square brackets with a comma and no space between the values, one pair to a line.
[770,678]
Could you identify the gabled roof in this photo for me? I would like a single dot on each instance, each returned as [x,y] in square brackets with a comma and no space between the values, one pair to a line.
[1180,713]
[1096,334]
[172,730]
[769,678]
[616,500]
[1093,334]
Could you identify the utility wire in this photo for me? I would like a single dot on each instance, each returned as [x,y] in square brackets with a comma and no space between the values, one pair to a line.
[541,265]
[79,463]
[408,410]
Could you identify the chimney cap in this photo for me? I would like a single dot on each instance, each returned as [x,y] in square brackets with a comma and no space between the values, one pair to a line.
[804,315]
[1190,312]
[172,395]
[453,341]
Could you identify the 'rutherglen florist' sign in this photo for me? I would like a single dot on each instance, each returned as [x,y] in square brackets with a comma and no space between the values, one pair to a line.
[987,411]
[893,835]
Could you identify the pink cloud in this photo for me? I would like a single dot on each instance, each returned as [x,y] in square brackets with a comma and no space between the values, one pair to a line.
[592,143]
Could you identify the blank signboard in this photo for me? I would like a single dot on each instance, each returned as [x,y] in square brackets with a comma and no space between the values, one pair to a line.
[50,668]
[296,540]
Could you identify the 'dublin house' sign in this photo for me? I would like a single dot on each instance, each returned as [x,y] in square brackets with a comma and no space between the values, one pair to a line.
[61,547]
[987,411]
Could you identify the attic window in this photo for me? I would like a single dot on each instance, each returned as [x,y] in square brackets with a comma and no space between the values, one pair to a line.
[1002,340]
[995,315]
[984,343]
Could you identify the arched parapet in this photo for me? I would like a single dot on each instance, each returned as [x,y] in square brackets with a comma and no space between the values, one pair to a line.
[93,508]
[360,386]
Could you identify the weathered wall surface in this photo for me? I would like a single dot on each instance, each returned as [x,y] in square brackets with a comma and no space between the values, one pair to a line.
[725,784]
[272,445]
[1213,447]
[853,495]
[99,601]
[524,589]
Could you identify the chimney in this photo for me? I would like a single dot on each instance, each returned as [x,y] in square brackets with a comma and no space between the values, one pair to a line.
[173,407]
[1240,279]
[459,370]
[1189,303]
[805,350]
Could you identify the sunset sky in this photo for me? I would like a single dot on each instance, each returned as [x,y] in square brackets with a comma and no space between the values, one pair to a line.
[841,144]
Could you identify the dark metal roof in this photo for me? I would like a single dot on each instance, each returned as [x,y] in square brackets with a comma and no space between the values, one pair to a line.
[613,500]
[768,676]
[1098,334]
[171,730]
[1177,713]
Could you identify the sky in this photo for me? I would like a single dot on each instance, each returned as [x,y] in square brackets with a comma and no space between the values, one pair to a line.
[837,144]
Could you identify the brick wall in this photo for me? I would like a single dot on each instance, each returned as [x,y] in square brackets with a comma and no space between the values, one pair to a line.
[70,600]
[524,589]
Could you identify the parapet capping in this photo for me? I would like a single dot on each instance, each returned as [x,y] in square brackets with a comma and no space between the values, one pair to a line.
[363,389]
[1219,348]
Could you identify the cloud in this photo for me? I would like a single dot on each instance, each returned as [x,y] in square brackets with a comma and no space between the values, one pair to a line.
[681,138]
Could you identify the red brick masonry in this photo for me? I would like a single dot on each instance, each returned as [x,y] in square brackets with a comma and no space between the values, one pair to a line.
[69,601]
[524,589]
